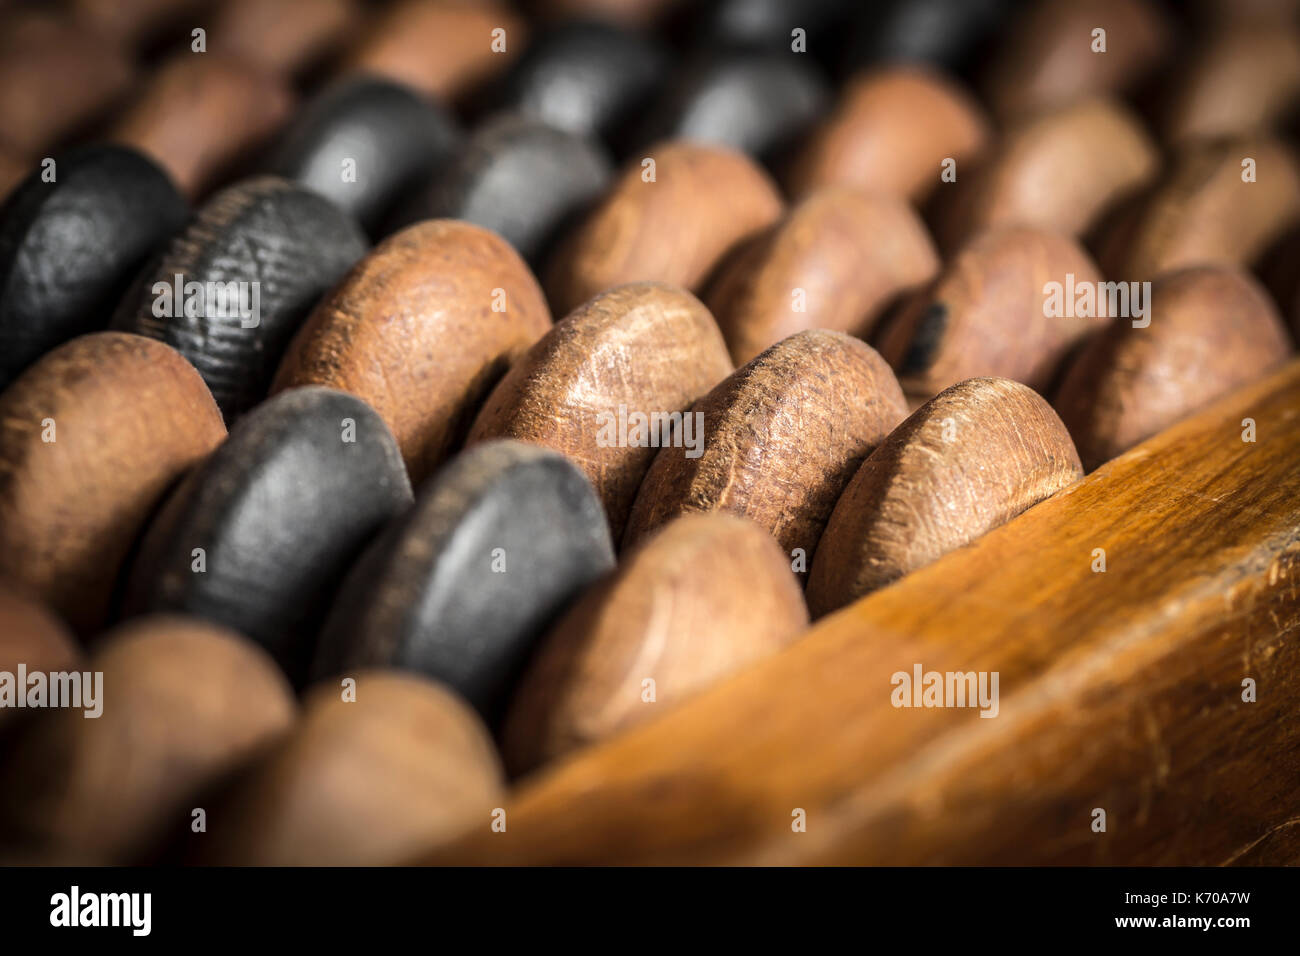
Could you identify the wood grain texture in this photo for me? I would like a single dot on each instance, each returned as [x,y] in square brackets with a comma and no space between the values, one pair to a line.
[968,461]
[1212,330]
[701,599]
[891,131]
[183,703]
[1058,171]
[442,48]
[1202,212]
[421,329]
[703,200]
[1046,59]
[127,410]
[782,437]
[199,112]
[1242,80]
[360,783]
[835,261]
[1120,690]
[985,315]
[647,347]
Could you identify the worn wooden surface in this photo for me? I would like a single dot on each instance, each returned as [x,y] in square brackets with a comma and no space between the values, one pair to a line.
[1119,690]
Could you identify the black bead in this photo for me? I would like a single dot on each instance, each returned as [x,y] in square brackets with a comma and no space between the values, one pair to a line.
[522,179]
[281,509]
[943,33]
[499,543]
[68,248]
[396,138]
[292,242]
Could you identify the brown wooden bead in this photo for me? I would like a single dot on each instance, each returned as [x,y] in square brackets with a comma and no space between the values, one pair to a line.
[91,436]
[835,261]
[32,636]
[54,76]
[1047,60]
[1243,80]
[703,200]
[646,348]
[1059,171]
[183,703]
[373,780]
[970,459]
[1203,212]
[443,48]
[891,132]
[199,112]
[701,599]
[137,22]
[1212,329]
[283,35]
[421,329]
[782,437]
[985,316]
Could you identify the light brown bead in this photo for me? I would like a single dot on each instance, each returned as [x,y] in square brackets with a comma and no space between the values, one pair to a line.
[422,328]
[34,637]
[366,782]
[646,348]
[835,261]
[969,460]
[125,417]
[183,704]
[782,437]
[698,601]
[283,35]
[703,200]
[1212,329]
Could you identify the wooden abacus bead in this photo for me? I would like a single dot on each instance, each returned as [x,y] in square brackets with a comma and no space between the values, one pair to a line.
[494,181]
[68,248]
[988,315]
[199,113]
[781,437]
[1052,56]
[137,22]
[55,75]
[33,638]
[698,601]
[1058,171]
[1243,80]
[182,703]
[758,104]
[443,48]
[644,348]
[391,139]
[944,33]
[1211,329]
[282,35]
[891,132]
[259,537]
[373,780]
[970,459]
[499,543]
[835,261]
[584,76]
[1213,207]
[763,25]
[421,329]
[123,412]
[669,217]
[280,246]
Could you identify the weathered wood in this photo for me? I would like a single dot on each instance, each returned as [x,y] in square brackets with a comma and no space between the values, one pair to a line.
[1119,690]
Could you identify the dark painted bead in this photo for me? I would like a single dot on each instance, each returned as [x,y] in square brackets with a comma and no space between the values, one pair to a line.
[395,139]
[586,77]
[520,178]
[755,103]
[68,248]
[281,510]
[284,244]
[498,544]
[946,33]
[766,25]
